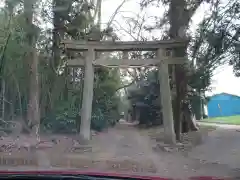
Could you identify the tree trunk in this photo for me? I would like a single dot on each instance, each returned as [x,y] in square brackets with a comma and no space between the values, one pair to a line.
[3,99]
[33,105]
[58,33]
[33,112]
[179,18]
[66,83]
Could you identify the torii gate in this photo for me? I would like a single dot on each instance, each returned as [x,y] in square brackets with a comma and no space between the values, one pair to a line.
[166,53]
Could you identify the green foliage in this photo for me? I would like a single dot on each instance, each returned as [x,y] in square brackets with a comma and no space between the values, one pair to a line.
[62,119]
[60,91]
[65,114]
[98,120]
[106,101]
[146,95]
[15,74]
[75,20]
[215,43]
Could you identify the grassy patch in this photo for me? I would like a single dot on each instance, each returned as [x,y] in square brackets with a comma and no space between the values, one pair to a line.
[234,120]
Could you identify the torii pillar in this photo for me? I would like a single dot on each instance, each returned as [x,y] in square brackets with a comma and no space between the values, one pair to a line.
[85,129]
[166,100]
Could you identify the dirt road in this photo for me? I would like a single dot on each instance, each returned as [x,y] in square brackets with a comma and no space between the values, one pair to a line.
[222,146]
[125,149]
[126,142]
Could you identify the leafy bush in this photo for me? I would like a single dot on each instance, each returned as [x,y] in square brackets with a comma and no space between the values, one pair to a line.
[55,124]
[98,121]
[63,120]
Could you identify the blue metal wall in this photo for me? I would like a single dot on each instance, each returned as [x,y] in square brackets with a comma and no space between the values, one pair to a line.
[223,105]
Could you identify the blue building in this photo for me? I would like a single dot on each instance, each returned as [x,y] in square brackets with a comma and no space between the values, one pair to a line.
[223,104]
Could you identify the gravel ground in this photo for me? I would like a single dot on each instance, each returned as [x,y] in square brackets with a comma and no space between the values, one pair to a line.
[129,150]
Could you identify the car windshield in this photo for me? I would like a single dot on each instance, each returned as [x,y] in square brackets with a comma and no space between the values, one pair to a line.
[133,87]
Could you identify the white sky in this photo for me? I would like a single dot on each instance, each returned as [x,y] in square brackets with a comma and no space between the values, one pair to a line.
[223,80]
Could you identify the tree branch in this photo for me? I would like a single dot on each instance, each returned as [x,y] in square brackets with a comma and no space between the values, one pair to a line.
[127,85]
[115,13]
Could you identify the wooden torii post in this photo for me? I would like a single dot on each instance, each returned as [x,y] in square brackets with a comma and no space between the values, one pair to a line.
[165,55]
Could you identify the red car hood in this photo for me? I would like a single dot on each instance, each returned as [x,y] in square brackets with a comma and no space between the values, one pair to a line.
[102,174]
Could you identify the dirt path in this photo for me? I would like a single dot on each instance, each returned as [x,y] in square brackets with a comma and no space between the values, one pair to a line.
[125,142]
[222,146]
[125,149]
